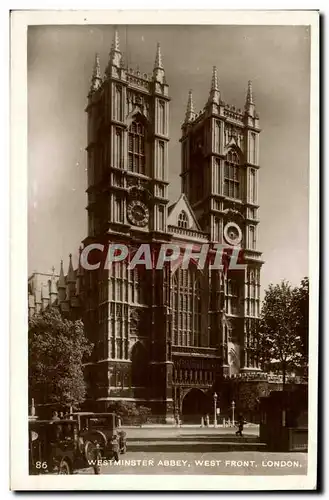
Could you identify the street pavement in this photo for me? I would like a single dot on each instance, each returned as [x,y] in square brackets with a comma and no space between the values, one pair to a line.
[188,450]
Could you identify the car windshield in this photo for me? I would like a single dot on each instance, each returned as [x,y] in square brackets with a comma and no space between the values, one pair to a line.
[61,431]
[101,422]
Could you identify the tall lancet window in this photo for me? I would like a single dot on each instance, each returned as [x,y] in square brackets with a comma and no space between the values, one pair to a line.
[162,123]
[118,103]
[186,308]
[136,148]
[232,176]
[253,186]
[118,148]
[161,160]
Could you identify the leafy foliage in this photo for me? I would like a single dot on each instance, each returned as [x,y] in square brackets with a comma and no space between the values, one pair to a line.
[130,412]
[280,340]
[56,350]
[248,396]
[302,303]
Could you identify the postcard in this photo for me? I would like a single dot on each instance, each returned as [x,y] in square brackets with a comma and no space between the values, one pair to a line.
[164,303]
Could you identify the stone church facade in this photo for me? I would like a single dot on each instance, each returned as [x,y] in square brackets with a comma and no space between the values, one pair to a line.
[165,338]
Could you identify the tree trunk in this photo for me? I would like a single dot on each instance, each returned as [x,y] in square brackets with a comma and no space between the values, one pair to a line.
[283,375]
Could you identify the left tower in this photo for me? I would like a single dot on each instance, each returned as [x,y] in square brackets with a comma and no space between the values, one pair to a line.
[128,134]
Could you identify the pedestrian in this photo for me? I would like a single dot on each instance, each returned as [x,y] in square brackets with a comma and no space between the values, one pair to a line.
[61,415]
[115,448]
[207,421]
[55,416]
[240,423]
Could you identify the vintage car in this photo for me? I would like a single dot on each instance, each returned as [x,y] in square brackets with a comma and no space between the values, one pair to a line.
[54,448]
[102,429]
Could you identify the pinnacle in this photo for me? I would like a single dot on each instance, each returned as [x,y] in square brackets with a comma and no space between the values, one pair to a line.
[214,80]
[158,58]
[61,281]
[115,43]
[70,272]
[249,99]
[190,114]
[96,79]
[115,53]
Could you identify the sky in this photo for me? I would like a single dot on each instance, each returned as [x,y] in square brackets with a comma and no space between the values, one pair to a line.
[275,58]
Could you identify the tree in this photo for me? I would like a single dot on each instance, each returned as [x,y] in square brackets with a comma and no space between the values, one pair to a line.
[302,304]
[57,348]
[279,335]
[124,408]
[130,412]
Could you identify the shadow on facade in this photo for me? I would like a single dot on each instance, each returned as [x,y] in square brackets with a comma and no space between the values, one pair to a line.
[139,369]
[194,405]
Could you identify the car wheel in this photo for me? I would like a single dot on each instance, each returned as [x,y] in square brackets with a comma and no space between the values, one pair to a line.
[89,451]
[64,467]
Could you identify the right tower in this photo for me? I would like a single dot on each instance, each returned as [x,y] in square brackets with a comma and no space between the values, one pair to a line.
[220,163]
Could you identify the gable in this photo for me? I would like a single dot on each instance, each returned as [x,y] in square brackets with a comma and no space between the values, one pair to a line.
[181,210]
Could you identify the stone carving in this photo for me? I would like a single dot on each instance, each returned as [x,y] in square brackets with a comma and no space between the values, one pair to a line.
[134,320]
[233,212]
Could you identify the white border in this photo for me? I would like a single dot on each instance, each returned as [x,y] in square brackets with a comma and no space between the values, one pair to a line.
[20,480]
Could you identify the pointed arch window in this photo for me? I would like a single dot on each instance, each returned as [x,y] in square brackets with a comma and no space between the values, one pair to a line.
[232,176]
[183,220]
[186,308]
[136,147]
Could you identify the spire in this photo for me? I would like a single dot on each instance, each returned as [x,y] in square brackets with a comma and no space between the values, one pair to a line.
[250,105]
[190,114]
[70,273]
[96,80]
[214,96]
[214,79]
[61,281]
[158,58]
[158,70]
[249,99]
[115,43]
[115,54]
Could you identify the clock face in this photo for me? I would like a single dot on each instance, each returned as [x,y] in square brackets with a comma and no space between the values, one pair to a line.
[232,233]
[138,213]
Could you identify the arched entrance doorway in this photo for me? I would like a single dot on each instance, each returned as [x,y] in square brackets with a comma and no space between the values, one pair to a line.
[194,406]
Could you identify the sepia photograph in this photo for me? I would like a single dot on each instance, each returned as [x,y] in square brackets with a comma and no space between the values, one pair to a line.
[171,218]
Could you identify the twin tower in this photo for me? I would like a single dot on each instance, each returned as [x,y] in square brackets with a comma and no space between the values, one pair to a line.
[128,136]
[161,339]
